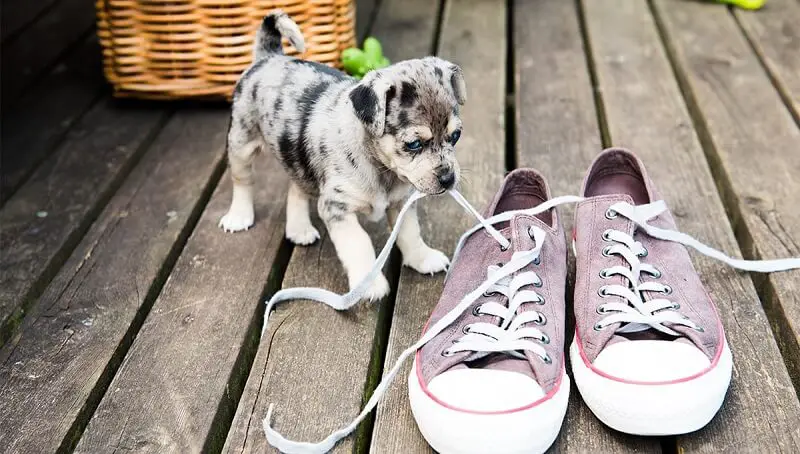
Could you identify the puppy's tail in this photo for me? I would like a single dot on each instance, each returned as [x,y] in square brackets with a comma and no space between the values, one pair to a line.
[268,38]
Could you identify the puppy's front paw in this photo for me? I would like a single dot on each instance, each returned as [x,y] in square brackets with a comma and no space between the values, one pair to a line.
[237,220]
[301,235]
[377,290]
[426,260]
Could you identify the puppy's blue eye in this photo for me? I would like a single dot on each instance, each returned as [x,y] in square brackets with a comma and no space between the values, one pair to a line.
[455,136]
[414,146]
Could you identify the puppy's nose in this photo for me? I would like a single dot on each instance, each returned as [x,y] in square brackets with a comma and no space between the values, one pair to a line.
[446,178]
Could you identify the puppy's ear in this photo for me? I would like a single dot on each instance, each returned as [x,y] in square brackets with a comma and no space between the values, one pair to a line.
[458,84]
[369,102]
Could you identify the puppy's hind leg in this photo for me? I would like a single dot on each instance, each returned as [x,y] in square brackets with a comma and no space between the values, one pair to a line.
[299,229]
[242,147]
[353,246]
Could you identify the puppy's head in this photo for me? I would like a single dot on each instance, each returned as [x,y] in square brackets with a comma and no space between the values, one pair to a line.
[411,109]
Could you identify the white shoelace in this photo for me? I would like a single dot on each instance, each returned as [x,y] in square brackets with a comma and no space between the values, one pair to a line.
[512,337]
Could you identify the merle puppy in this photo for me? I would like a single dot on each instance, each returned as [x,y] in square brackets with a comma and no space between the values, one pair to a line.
[357,146]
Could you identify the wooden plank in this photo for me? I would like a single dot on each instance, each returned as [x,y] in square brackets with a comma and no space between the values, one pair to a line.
[753,145]
[644,111]
[281,371]
[558,133]
[46,218]
[32,129]
[38,47]
[19,13]
[774,34]
[473,36]
[55,372]
[179,384]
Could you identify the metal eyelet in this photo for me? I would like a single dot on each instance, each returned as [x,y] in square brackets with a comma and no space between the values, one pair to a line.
[611,214]
[545,339]
[604,274]
[601,309]
[447,353]
[599,327]
[542,320]
[476,311]
[602,292]
[547,359]
[655,275]
[607,251]
[466,329]
[530,235]
[540,301]
[667,290]
[607,235]
[675,306]
[537,261]
[505,248]
[699,329]
[643,253]
[489,294]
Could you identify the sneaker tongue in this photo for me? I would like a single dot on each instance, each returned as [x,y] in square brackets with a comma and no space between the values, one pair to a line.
[499,361]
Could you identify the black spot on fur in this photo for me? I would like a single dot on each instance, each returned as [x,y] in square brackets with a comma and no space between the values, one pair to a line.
[323,150]
[337,189]
[365,103]
[276,108]
[438,71]
[270,36]
[334,210]
[390,94]
[306,104]
[391,129]
[254,93]
[322,69]
[351,159]
[237,90]
[408,95]
[403,120]
[286,150]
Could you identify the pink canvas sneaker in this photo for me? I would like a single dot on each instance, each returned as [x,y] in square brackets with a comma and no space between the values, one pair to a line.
[649,355]
[494,379]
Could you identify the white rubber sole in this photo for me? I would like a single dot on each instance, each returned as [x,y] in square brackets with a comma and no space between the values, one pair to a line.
[451,431]
[657,409]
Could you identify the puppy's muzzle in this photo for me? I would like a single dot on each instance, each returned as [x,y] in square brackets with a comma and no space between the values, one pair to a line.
[446,178]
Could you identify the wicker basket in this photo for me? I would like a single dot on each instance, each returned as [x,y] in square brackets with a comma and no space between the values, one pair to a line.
[168,49]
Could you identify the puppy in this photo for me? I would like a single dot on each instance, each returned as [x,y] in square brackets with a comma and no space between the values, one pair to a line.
[357,146]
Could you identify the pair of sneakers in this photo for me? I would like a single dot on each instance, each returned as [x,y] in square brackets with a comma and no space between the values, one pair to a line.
[649,354]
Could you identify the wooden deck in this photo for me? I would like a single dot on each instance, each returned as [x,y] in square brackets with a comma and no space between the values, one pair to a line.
[129,321]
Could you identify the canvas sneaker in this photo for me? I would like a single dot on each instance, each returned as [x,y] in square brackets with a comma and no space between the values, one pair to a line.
[649,355]
[494,380]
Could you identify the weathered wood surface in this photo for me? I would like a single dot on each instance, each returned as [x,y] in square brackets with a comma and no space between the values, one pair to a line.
[19,13]
[33,128]
[473,35]
[39,46]
[55,371]
[754,149]
[171,388]
[775,35]
[48,215]
[645,111]
[558,134]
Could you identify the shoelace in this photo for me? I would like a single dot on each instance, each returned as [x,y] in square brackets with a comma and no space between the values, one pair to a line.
[519,260]
[512,334]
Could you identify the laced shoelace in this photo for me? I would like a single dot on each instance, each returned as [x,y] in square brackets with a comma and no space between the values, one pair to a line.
[512,335]
[498,280]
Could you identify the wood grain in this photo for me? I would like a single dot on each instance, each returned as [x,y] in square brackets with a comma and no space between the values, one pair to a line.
[46,218]
[645,112]
[473,35]
[558,134]
[754,149]
[55,371]
[38,47]
[775,35]
[32,129]
[19,13]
